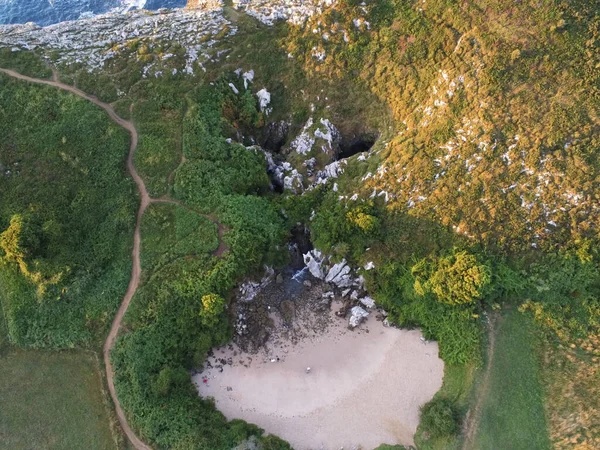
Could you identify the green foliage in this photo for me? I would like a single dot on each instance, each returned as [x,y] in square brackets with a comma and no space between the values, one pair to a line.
[438,418]
[172,231]
[256,229]
[24,62]
[457,389]
[272,442]
[170,379]
[179,311]
[563,294]
[456,279]
[215,167]
[66,215]
[455,327]
[213,306]
[157,113]
[344,229]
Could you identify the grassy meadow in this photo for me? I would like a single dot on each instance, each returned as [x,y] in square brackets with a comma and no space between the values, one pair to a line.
[512,413]
[53,400]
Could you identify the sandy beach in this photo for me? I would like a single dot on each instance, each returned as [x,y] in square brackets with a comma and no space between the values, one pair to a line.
[364,387]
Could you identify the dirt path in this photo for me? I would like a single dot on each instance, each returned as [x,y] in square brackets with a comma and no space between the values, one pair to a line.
[136,267]
[136,270]
[474,415]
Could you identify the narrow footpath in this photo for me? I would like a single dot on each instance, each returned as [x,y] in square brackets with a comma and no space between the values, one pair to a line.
[136,269]
[473,418]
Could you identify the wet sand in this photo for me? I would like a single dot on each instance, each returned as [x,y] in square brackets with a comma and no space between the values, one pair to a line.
[365,387]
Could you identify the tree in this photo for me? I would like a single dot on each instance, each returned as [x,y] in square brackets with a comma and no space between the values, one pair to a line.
[365,222]
[22,244]
[213,306]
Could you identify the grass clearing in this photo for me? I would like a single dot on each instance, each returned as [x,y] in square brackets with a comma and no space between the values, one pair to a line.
[513,410]
[171,232]
[457,387]
[53,400]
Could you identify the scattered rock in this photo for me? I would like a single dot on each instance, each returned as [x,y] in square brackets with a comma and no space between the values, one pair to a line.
[358,314]
[368,302]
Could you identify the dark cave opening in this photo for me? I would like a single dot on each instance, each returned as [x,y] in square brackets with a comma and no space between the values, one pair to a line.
[358,144]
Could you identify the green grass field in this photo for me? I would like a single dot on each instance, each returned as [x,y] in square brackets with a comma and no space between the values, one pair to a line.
[512,416]
[52,400]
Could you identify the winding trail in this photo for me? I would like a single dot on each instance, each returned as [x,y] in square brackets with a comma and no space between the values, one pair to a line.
[136,269]
[474,415]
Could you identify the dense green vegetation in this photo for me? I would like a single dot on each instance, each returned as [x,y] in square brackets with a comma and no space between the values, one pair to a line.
[53,400]
[24,62]
[172,232]
[66,214]
[178,313]
[439,418]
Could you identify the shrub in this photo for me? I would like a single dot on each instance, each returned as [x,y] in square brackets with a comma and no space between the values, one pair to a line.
[274,443]
[438,418]
[456,279]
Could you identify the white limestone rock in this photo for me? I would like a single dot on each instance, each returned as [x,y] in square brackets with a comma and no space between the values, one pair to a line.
[339,275]
[96,40]
[264,98]
[358,314]
[314,261]
[368,302]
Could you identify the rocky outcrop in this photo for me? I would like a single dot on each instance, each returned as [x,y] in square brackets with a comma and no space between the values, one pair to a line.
[314,261]
[94,41]
[339,275]
[204,4]
[294,11]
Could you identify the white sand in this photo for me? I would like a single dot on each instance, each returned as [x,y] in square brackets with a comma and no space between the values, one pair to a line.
[364,388]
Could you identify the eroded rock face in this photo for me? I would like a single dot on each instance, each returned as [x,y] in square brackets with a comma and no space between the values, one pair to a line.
[294,11]
[276,134]
[94,41]
[204,4]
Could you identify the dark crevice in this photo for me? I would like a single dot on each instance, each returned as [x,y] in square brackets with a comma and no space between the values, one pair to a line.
[275,136]
[299,245]
[358,144]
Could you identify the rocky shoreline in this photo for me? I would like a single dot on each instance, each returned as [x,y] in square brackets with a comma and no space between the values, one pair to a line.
[93,41]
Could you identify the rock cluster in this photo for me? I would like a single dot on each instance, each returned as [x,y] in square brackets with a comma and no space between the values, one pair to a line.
[341,276]
[294,11]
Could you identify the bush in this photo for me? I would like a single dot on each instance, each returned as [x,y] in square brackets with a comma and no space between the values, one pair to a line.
[274,443]
[456,279]
[438,418]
